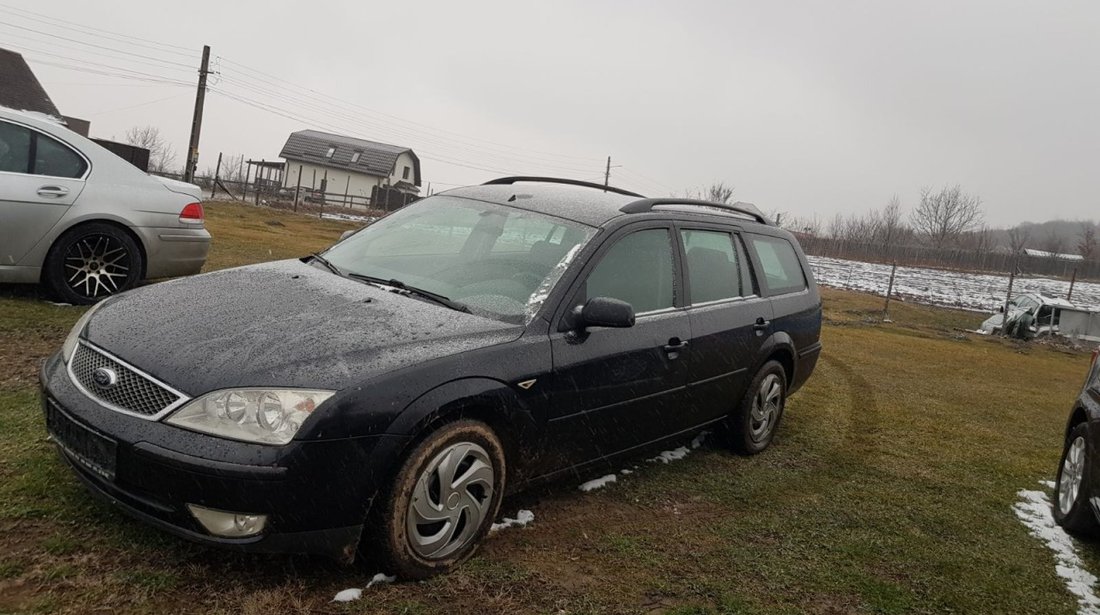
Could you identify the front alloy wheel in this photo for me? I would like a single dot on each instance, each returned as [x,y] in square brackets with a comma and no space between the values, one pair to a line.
[442,501]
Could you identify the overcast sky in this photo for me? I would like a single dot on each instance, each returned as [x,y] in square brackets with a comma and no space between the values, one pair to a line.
[808,108]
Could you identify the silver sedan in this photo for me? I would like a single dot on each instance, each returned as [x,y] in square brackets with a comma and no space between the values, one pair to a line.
[84,222]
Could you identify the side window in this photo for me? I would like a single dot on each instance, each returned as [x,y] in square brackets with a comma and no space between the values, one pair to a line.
[15,148]
[714,266]
[638,270]
[782,271]
[56,160]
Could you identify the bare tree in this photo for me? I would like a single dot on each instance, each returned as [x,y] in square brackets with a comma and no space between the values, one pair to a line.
[943,216]
[1018,238]
[1086,241]
[890,225]
[161,154]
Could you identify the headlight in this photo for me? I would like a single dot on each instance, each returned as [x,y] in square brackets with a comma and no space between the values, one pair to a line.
[265,416]
[70,342]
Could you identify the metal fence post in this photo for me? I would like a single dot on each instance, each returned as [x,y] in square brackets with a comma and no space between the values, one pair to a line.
[889,290]
[217,172]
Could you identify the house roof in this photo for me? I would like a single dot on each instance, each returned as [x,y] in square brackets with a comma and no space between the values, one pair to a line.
[21,90]
[374,158]
[1045,254]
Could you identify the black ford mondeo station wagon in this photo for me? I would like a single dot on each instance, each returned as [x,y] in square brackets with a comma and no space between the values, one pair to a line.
[382,396]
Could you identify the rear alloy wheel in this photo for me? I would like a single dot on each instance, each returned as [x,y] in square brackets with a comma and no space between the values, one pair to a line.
[91,262]
[1072,509]
[754,421]
[443,500]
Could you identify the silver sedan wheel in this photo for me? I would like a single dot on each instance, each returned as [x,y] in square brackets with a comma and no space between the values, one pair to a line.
[96,266]
[450,501]
[765,408]
[1073,471]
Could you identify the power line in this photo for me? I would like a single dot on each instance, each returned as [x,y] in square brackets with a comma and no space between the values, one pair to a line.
[144,104]
[460,150]
[84,69]
[328,98]
[356,119]
[83,29]
[289,115]
[18,46]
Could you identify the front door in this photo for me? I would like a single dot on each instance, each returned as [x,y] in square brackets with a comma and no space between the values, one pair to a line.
[39,179]
[615,389]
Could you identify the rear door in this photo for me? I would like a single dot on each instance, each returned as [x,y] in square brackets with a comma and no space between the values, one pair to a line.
[729,318]
[615,389]
[785,281]
[40,178]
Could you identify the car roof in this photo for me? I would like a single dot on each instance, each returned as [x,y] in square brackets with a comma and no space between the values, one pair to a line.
[590,204]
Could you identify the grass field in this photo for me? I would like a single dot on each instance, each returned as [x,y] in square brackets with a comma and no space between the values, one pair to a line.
[888,490]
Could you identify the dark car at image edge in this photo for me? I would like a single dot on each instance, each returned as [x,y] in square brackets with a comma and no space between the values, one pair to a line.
[383,396]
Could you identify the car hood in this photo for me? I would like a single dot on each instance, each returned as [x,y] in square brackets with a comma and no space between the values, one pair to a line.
[177,186]
[284,324]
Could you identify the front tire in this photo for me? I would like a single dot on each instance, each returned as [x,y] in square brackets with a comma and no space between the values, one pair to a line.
[1072,509]
[442,501]
[91,262]
[754,422]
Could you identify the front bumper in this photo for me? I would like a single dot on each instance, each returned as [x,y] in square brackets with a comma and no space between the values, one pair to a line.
[172,252]
[316,494]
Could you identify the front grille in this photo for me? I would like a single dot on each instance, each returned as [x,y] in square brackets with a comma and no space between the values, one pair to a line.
[132,392]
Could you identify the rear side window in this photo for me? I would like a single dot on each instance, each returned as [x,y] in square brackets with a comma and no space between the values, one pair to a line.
[716,266]
[25,151]
[782,271]
[56,160]
[638,270]
[15,148]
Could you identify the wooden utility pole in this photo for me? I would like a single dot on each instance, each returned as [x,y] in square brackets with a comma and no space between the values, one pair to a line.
[1069,295]
[1008,299]
[196,121]
[607,175]
[298,188]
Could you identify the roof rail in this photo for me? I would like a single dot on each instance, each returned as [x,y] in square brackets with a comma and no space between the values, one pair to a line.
[745,209]
[506,181]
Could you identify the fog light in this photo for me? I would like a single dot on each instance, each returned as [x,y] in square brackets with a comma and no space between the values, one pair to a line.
[228,524]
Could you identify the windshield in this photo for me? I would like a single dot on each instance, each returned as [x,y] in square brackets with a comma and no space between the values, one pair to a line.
[498,261]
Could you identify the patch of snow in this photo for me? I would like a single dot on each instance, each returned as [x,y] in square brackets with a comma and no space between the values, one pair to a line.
[354,593]
[597,483]
[675,454]
[60,304]
[381,577]
[523,517]
[1033,510]
[981,292]
[38,115]
[1049,484]
[348,217]
[625,471]
[348,595]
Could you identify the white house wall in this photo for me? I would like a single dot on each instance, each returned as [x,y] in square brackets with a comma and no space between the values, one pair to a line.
[360,184]
[404,160]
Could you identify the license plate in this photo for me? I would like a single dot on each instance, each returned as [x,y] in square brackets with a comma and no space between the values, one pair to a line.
[84,446]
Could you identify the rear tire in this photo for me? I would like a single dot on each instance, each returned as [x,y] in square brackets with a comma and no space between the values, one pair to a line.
[1071,506]
[442,501]
[91,262]
[755,420]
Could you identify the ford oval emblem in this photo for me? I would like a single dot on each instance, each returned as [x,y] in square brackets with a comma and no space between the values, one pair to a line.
[105,377]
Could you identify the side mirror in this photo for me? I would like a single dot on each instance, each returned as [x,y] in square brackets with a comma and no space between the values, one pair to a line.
[604,312]
[346,234]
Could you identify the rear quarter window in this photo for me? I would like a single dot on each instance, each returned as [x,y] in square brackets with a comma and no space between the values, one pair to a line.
[782,269]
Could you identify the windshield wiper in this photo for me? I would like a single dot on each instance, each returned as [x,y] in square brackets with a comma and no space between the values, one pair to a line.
[420,292]
[324,261]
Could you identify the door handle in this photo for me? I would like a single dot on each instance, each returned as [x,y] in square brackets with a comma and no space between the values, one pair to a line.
[675,345]
[761,324]
[53,191]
